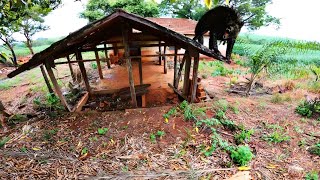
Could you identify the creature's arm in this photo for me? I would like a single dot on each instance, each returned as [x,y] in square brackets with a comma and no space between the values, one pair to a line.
[229,48]
[213,42]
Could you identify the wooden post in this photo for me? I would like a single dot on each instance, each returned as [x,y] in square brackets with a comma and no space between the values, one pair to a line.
[181,67]
[160,57]
[125,32]
[56,87]
[71,69]
[186,81]
[164,61]
[140,71]
[175,67]
[106,54]
[195,78]
[83,71]
[98,64]
[115,49]
[46,80]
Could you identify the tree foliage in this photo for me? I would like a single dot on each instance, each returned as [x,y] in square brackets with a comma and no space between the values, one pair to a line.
[96,9]
[193,9]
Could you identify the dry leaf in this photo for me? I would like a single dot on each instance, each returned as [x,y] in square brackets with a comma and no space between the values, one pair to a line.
[36,148]
[166,120]
[243,168]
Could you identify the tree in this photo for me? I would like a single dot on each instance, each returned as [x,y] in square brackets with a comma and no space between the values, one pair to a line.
[8,40]
[96,9]
[255,10]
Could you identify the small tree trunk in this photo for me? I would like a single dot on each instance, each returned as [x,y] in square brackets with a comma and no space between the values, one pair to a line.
[14,57]
[29,45]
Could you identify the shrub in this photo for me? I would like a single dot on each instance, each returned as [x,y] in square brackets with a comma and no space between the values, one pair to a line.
[243,136]
[313,175]
[308,107]
[315,149]
[242,155]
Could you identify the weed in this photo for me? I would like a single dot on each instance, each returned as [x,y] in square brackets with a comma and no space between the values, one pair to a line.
[302,143]
[93,139]
[298,129]
[208,122]
[235,108]
[209,150]
[84,151]
[3,141]
[102,131]
[172,111]
[222,104]
[94,65]
[273,126]
[309,107]
[276,137]
[313,175]
[23,149]
[47,135]
[278,99]
[315,149]
[152,138]
[244,136]
[241,155]
[160,133]
[229,124]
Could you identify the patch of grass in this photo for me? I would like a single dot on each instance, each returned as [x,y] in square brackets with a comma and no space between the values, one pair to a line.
[3,141]
[171,112]
[313,175]
[48,134]
[308,108]
[84,151]
[315,149]
[242,155]
[160,133]
[94,65]
[23,149]
[208,122]
[102,131]
[244,136]
[92,139]
[280,98]
[153,138]
[276,137]
[222,104]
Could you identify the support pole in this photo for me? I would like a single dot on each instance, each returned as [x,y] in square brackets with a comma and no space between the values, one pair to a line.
[56,87]
[140,71]
[98,64]
[186,80]
[83,71]
[175,67]
[164,61]
[181,67]
[125,32]
[160,57]
[71,69]
[45,77]
[195,78]
[106,54]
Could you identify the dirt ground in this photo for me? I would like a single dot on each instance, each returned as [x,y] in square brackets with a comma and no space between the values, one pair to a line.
[70,147]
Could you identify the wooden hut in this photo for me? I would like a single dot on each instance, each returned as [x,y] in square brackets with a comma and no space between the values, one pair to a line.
[120,31]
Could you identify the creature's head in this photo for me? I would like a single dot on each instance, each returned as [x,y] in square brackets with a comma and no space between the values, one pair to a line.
[233,30]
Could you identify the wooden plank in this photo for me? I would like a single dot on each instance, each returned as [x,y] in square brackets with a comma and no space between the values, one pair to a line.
[140,71]
[98,64]
[194,78]
[83,71]
[81,103]
[125,34]
[180,69]
[71,69]
[165,68]
[160,53]
[144,102]
[46,80]
[106,54]
[186,81]
[56,87]
[175,61]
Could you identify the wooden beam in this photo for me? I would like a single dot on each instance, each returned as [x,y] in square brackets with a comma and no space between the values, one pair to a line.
[98,64]
[46,80]
[180,68]
[140,71]
[56,87]
[106,54]
[165,68]
[125,34]
[186,81]
[194,78]
[81,103]
[175,61]
[177,91]
[160,53]
[71,69]
[83,71]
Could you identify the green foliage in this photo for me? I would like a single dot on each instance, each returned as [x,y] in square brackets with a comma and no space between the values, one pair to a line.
[208,122]
[97,9]
[209,151]
[51,102]
[84,151]
[316,71]
[276,137]
[242,155]
[160,133]
[47,134]
[313,175]
[315,149]
[244,136]
[221,70]
[280,98]
[172,111]
[308,108]
[153,138]
[3,141]
[94,65]
[102,131]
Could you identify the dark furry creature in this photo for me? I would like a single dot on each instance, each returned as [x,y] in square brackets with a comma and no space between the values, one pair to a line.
[223,23]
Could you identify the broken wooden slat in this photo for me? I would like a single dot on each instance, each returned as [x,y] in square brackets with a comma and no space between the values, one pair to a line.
[175,61]
[98,64]
[125,34]
[71,69]
[83,71]
[164,61]
[81,103]
[56,87]
[194,78]
[46,80]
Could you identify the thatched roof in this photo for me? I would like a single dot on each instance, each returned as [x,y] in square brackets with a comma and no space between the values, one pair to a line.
[110,26]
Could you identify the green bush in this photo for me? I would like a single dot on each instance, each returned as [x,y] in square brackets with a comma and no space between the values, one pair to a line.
[308,108]
[242,155]
[315,149]
[312,176]
[244,136]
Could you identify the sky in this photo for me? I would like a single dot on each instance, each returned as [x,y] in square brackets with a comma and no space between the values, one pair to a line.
[298,20]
